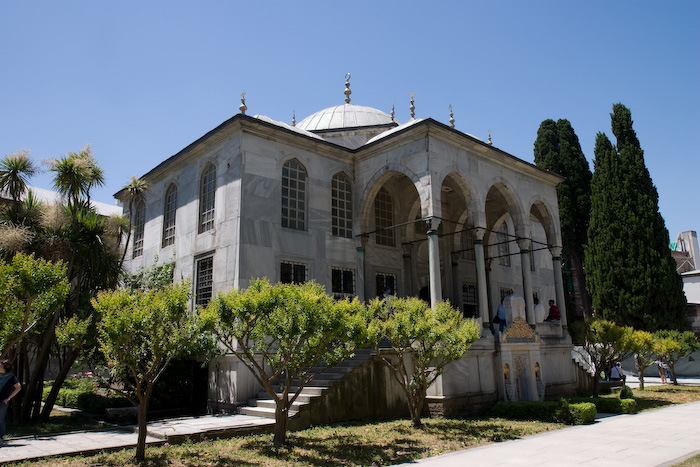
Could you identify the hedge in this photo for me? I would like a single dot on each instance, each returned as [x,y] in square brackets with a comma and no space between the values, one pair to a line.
[550,411]
[611,404]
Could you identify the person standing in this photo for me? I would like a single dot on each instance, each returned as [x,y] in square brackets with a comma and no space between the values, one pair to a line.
[501,315]
[9,388]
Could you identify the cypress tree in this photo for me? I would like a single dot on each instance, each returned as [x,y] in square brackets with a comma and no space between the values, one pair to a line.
[558,150]
[631,274]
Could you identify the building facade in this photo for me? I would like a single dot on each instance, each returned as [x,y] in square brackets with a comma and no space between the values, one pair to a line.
[356,201]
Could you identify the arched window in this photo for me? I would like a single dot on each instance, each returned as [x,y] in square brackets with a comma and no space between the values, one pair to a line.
[139,225]
[503,242]
[384,218]
[169,211]
[207,192]
[293,195]
[341,206]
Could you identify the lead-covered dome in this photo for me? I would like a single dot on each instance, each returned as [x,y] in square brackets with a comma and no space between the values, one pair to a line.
[345,116]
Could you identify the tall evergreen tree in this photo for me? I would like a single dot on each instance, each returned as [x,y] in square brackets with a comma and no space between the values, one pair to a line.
[631,274]
[558,150]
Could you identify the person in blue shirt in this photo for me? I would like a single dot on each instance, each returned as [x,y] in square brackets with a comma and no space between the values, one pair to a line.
[9,388]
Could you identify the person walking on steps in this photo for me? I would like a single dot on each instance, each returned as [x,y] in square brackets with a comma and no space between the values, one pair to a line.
[9,388]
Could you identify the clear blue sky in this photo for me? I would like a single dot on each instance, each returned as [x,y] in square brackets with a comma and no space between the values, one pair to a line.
[140,80]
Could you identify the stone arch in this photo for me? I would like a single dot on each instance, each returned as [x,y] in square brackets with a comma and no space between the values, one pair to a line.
[543,213]
[389,173]
[500,199]
[459,201]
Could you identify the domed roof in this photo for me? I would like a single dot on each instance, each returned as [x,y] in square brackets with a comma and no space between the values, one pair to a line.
[344,116]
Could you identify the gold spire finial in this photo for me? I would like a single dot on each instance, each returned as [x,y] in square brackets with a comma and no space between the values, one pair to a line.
[347,91]
[294,118]
[242,107]
[413,108]
[452,118]
[490,143]
[392,111]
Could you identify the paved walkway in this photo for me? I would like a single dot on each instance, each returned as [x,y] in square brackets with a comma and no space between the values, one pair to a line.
[172,430]
[661,437]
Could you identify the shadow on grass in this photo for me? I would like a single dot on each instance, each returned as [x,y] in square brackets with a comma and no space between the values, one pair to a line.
[346,449]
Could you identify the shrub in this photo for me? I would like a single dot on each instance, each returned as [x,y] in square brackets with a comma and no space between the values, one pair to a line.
[611,404]
[585,412]
[541,411]
[550,411]
[626,393]
[575,414]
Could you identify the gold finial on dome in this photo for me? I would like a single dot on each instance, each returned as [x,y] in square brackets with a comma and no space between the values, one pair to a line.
[294,118]
[392,111]
[242,107]
[452,118]
[490,143]
[347,91]
[413,108]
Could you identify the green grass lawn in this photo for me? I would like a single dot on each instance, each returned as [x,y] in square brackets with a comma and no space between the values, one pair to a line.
[361,444]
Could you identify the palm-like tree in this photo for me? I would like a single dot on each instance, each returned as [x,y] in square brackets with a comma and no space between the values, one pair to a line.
[75,174]
[131,194]
[15,170]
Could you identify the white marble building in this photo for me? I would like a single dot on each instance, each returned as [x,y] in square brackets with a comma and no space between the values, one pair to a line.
[354,200]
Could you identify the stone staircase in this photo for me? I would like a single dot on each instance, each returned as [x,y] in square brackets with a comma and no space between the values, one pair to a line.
[311,396]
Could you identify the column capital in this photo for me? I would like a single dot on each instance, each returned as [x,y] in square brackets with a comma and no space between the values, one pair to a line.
[432,223]
[556,251]
[524,244]
[479,233]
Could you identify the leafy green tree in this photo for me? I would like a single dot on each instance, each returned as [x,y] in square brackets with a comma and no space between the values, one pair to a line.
[423,341]
[671,345]
[642,346]
[280,332]
[30,290]
[558,150]
[631,274]
[140,333]
[606,344]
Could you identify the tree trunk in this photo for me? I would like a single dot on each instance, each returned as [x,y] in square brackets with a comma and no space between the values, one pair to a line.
[281,418]
[671,367]
[143,425]
[60,379]
[580,279]
[596,386]
[31,401]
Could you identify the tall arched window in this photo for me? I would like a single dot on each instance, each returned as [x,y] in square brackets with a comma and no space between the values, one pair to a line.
[341,206]
[169,211]
[293,195]
[384,218]
[503,241]
[139,225]
[207,192]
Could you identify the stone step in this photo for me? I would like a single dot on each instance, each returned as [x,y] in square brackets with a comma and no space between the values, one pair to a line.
[271,404]
[263,412]
[314,390]
[303,397]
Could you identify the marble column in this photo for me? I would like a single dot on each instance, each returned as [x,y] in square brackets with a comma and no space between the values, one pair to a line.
[456,284]
[524,244]
[360,282]
[407,271]
[434,260]
[481,288]
[559,282]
